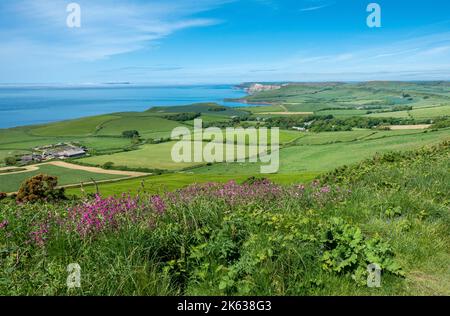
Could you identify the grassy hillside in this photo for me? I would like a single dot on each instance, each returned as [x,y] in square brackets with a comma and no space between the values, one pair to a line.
[345,99]
[257,238]
[325,151]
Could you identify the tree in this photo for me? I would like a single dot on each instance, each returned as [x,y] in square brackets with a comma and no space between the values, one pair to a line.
[40,188]
[130,134]
[182,117]
[108,165]
[10,161]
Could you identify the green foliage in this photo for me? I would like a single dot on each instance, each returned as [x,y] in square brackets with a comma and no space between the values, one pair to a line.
[217,109]
[10,161]
[130,134]
[254,180]
[183,117]
[108,165]
[328,123]
[347,251]
[441,123]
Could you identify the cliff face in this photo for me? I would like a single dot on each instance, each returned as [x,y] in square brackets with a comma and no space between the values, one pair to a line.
[257,87]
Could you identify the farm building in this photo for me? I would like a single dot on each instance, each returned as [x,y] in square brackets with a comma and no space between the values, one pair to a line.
[72,153]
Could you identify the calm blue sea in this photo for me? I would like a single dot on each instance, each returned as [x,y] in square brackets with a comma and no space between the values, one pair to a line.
[36,105]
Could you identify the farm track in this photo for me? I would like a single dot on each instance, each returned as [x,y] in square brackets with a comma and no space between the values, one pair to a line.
[129,174]
[27,169]
[287,113]
[67,165]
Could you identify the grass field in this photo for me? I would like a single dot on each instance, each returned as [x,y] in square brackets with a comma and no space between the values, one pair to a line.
[328,98]
[12,182]
[145,125]
[317,155]
[80,127]
[156,156]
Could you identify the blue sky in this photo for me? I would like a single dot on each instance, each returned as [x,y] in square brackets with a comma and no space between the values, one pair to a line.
[223,41]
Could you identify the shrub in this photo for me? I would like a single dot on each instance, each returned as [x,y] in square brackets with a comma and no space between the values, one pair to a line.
[39,188]
[348,251]
[442,123]
[108,165]
[10,161]
[182,117]
[217,109]
[130,134]
[255,180]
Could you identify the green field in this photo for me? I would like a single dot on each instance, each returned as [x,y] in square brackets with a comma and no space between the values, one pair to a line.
[345,99]
[80,127]
[146,125]
[156,156]
[12,182]
[418,113]
[323,157]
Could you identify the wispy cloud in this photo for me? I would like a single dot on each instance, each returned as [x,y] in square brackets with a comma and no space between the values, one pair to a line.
[314,8]
[316,5]
[106,30]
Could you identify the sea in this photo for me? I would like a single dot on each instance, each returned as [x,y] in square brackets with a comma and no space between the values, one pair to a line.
[33,105]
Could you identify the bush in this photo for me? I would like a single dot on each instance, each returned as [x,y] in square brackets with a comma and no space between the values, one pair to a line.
[217,109]
[255,180]
[130,134]
[182,117]
[40,188]
[10,161]
[442,123]
[108,165]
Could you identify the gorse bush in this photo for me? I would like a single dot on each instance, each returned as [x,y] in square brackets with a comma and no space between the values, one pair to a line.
[255,238]
[40,188]
[3,195]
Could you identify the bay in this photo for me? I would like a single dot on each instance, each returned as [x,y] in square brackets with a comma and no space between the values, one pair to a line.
[31,105]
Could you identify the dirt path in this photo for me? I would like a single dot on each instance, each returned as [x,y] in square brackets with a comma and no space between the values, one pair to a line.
[72,166]
[62,164]
[27,169]
[288,113]
[67,165]
[406,127]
